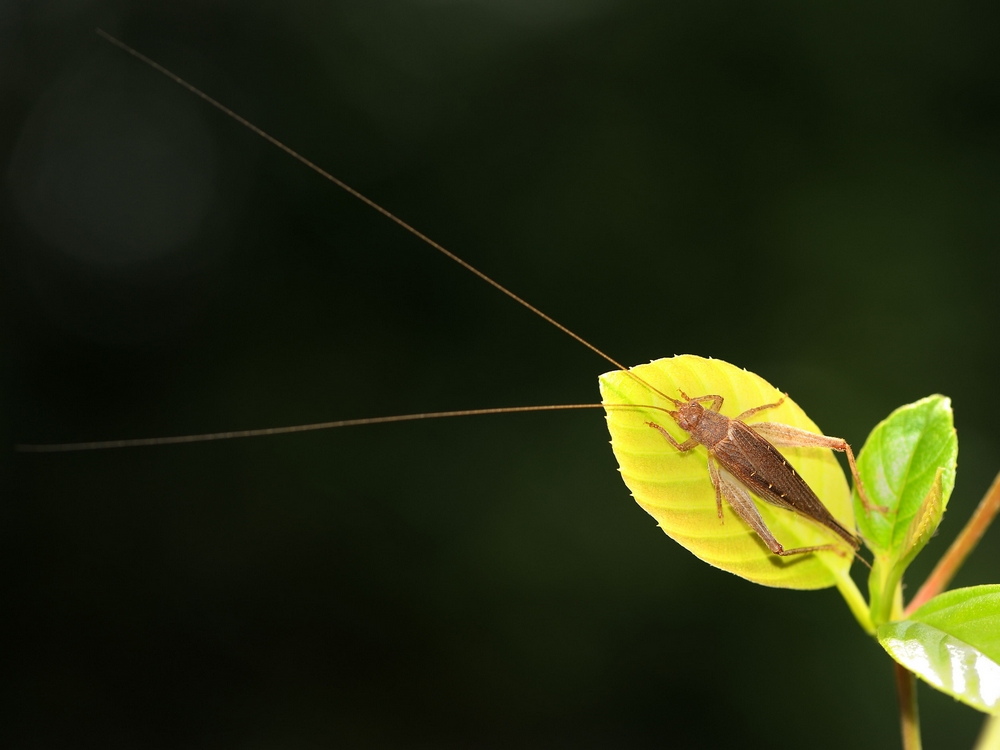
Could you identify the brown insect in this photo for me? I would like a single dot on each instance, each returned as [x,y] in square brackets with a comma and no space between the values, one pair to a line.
[742,457]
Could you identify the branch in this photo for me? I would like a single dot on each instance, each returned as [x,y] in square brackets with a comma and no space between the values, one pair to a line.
[909,717]
[989,738]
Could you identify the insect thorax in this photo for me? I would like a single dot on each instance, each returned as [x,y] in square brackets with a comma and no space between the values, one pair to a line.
[707,427]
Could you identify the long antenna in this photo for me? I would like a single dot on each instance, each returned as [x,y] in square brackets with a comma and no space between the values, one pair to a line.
[135,443]
[209,436]
[131,443]
[369,202]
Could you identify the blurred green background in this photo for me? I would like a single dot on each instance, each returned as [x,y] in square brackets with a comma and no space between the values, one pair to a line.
[809,190]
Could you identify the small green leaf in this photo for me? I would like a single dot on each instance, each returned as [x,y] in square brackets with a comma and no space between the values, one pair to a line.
[907,465]
[899,464]
[676,490]
[953,644]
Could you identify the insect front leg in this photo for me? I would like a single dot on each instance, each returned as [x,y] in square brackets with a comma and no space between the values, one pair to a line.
[740,501]
[783,435]
[685,446]
[715,399]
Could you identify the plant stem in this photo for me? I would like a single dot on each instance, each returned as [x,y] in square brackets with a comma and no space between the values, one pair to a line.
[989,738]
[909,716]
[960,549]
[855,602]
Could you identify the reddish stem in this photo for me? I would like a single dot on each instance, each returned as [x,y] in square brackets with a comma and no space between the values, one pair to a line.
[909,718]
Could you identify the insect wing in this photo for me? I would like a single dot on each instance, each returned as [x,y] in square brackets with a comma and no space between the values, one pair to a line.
[773,478]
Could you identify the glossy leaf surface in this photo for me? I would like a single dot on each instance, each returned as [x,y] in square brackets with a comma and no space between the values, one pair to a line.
[676,490]
[953,643]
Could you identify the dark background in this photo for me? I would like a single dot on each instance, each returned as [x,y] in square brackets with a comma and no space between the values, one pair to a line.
[809,190]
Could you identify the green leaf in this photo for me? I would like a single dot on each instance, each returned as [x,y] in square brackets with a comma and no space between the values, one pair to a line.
[953,644]
[676,490]
[899,464]
[907,465]
[972,614]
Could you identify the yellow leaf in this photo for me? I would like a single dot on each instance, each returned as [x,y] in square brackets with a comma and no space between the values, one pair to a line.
[676,490]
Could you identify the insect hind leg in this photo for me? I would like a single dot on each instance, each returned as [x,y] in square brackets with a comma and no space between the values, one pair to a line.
[739,500]
[783,435]
[713,472]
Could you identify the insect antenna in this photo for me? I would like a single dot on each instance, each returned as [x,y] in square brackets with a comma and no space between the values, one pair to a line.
[372,204]
[210,436]
[129,443]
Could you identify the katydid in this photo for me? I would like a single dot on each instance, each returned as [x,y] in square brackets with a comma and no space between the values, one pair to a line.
[742,458]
